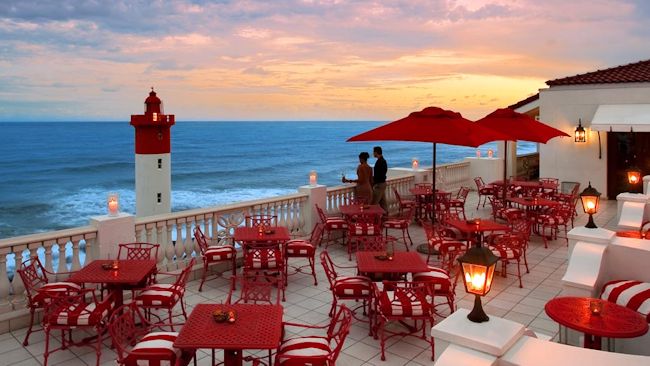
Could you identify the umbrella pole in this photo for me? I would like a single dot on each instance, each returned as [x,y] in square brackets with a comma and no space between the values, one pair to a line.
[505,170]
[433,202]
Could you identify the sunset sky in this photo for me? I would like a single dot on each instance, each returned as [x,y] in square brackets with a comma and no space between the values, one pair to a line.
[302,59]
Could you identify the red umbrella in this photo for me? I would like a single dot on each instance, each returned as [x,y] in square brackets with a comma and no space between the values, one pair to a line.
[518,126]
[436,125]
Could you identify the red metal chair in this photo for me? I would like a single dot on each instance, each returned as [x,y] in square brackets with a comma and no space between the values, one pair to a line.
[321,349]
[401,301]
[137,342]
[484,190]
[441,285]
[257,289]
[36,280]
[401,222]
[165,296]
[404,203]
[357,288]
[332,224]
[265,259]
[553,220]
[360,227]
[78,310]
[442,207]
[510,248]
[501,211]
[261,220]
[139,251]
[447,247]
[214,254]
[457,204]
[301,248]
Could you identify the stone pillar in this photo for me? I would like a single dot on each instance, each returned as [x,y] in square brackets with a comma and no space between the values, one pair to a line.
[632,210]
[597,236]
[317,195]
[111,231]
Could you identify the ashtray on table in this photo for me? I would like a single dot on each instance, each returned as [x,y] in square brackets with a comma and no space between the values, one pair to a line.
[223,316]
[528,199]
[109,266]
[269,232]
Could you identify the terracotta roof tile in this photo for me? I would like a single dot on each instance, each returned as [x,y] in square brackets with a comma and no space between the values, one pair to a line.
[637,72]
[522,103]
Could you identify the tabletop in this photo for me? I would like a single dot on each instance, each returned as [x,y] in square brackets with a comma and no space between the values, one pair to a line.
[256,327]
[527,184]
[615,321]
[533,201]
[129,272]
[470,226]
[403,262]
[354,210]
[252,234]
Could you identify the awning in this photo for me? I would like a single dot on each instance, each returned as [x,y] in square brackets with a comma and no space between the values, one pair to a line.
[622,118]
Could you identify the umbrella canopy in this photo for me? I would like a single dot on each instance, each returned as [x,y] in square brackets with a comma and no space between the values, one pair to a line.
[435,125]
[518,126]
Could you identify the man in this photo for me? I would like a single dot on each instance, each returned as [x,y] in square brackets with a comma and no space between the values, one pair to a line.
[379,179]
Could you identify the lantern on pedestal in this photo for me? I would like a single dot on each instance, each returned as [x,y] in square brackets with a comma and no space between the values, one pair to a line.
[313,178]
[590,199]
[478,265]
[113,204]
[415,163]
[478,153]
[490,153]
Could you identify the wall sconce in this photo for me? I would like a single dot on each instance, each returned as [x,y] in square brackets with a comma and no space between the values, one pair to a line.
[590,199]
[478,153]
[580,134]
[490,153]
[478,271]
[415,163]
[313,178]
[633,175]
[155,117]
[113,202]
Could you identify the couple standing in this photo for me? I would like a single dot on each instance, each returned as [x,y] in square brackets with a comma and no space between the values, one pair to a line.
[371,186]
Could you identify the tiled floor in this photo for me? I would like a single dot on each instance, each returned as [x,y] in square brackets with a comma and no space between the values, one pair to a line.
[307,303]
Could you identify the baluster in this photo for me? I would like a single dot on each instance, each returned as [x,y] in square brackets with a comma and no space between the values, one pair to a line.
[5,305]
[18,299]
[169,242]
[140,233]
[170,251]
[150,230]
[49,265]
[63,266]
[91,248]
[181,261]
[76,241]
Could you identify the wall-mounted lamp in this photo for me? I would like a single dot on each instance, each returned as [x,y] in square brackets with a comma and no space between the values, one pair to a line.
[580,134]
[633,175]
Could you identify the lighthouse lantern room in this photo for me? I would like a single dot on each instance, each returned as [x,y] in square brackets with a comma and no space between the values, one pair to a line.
[152,158]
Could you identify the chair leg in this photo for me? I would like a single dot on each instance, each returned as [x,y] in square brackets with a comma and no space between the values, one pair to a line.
[313,271]
[519,272]
[183,309]
[31,324]
[382,339]
[409,236]
[98,345]
[46,354]
[203,275]
[170,319]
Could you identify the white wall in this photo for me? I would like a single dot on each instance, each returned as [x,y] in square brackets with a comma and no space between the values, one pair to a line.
[560,107]
[149,181]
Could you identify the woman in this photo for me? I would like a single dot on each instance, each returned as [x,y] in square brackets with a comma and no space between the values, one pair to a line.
[364,176]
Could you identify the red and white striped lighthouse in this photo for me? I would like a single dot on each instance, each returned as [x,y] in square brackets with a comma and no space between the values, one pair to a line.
[153,179]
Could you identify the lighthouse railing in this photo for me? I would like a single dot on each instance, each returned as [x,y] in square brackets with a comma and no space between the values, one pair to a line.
[59,251]
[174,231]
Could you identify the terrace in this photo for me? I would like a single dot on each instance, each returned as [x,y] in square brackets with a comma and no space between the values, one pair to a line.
[305,303]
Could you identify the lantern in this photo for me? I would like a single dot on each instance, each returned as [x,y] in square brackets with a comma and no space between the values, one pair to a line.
[478,153]
[478,271]
[580,135]
[490,153]
[113,202]
[633,175]
[415,163]
[313,178]
[590,198]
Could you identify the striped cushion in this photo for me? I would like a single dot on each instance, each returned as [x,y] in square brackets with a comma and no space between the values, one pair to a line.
[297,248]
[336,223]
[402,303]
[263,258]
[220,253]
[632,294]
[80,314]
[504,252]
[352,286]
[162,294]
[486,190]
[316,347]
[396,224]
[436,276]
[504,212]
[54,287]
[363,228]
[550,220]
[155,349]
[456,203]
[446,245]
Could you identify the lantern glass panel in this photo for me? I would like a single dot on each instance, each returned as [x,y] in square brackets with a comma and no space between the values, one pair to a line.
[633,176]
[475,278]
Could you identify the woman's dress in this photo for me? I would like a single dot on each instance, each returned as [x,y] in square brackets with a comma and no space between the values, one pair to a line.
[364,188]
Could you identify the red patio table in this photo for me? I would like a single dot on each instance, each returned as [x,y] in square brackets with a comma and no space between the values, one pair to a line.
[255,327]
[355,210]
[402,262]
[613,321]
[472,226]
[278,234]
[528,184]
[129,273]
[533,201]
[423,195]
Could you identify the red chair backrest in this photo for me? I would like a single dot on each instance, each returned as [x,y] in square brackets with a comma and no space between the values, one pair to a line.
[479,182]
[261,220]
[123,329]
[33,276]
[328,266]
[201,240]
[257,289]
[462,193]
[181,280]
[338,330]
[316,233]
[138,251]
[321,214]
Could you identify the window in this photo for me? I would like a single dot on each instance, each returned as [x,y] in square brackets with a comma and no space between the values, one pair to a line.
[159,197]
[159,163]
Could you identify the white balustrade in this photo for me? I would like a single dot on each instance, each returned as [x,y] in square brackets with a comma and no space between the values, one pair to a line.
[340,195]
[452,176]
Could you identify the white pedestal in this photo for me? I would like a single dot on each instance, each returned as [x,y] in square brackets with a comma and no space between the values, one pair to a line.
[317,196]
[632,210]
[111,231]
[646,184]
[583,272]
[493,337]
[455,355]
[490,169]
[595,236]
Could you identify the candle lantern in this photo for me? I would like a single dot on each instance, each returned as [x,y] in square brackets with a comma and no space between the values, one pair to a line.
[313,178]
[633,175]
[590,199]
[490,153]
[415,163]
[478,271]
[580,135]
[113,202]
[478,153]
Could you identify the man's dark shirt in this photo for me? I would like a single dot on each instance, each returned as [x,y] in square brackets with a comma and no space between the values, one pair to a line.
[381,168]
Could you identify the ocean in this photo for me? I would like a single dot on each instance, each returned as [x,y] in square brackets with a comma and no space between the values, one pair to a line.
[55,175]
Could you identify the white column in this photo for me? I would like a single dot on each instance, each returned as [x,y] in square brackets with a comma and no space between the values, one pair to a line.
[317,195]
[152,178]
[111,231]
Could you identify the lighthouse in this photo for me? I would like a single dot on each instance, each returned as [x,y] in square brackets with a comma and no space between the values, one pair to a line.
[153,178]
